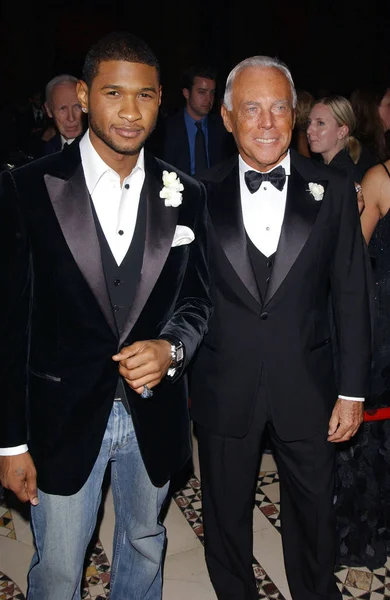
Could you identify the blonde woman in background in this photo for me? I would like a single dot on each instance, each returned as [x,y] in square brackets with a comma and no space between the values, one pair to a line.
[331,125]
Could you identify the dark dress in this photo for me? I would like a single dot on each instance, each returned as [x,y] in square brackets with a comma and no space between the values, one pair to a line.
[362,496]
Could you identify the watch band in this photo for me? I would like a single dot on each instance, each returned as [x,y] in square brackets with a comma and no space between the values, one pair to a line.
[177,357]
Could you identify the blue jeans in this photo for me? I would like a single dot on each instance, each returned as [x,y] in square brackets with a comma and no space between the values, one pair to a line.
[63,525]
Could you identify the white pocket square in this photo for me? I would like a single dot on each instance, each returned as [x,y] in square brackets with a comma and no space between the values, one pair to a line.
[183,235]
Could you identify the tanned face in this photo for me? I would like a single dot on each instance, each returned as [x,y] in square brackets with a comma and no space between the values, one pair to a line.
[262,116]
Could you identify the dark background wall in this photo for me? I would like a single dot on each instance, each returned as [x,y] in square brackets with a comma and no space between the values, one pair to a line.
[330,46]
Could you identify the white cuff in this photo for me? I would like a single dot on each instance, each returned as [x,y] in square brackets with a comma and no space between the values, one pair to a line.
[14,450]
[353,398]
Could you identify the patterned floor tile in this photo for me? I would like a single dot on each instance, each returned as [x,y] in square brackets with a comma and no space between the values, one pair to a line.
[269,509]
[353,582]
[96,584]
[8,589]
[189,500]
[97,575]
[359,583]
[7,528]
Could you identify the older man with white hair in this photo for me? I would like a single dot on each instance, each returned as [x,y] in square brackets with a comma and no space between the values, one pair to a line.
[63,106]
[284,235]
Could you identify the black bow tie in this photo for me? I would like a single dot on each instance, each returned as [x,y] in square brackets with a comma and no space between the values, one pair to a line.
[277,177]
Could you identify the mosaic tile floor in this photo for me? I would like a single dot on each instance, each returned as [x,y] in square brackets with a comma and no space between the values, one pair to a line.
[8,589]
[96,584]
[189,502]
[353,582]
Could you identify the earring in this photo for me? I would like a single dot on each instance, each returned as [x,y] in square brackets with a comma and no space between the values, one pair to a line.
[84,109]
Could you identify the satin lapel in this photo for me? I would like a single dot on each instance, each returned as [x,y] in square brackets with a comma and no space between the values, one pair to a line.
[160,229]
[71,204]
[300,214]
[226,216]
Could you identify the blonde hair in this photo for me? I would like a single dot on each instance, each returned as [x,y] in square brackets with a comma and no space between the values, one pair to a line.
[342,111]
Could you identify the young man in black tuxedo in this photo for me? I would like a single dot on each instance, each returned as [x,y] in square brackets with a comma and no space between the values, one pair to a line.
[284,234]
[104,269]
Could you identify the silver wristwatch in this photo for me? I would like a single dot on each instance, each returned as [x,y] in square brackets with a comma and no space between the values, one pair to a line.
[177,357]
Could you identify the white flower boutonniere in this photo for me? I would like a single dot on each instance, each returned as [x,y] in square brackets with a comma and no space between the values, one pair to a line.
[172,189]
[316,190]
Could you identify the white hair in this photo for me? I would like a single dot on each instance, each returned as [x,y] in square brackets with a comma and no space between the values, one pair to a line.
[258,62]
[58,80]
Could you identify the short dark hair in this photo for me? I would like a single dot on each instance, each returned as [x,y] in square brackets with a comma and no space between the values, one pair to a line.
[189,75]
[118,45]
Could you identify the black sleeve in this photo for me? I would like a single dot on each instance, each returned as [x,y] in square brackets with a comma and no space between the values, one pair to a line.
[15,286]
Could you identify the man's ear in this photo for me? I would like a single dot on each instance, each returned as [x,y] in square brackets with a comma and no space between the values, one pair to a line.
[226,118]
[186,93]
[82,94]
[48,111]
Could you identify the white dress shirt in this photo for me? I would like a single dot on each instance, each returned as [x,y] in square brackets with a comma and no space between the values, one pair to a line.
[263,211]
[263,214]
[66,141]
[116,207]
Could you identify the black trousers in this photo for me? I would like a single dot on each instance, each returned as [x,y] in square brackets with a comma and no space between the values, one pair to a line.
[229,470]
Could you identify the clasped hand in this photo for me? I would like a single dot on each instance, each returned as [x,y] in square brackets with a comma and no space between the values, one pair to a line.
[144,363]
[346,419]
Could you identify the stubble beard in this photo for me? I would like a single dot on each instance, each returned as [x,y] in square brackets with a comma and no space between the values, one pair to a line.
[106,139]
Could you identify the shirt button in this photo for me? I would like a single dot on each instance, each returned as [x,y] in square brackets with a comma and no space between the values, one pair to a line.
[268,228]
[121,232]
[127,186]
[269,264]
[117,282]
[116,308]
[264,316]
[265,188]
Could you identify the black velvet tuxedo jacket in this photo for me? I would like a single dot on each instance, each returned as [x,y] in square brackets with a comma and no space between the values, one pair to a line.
[280,347]
[59,333]
[176,148]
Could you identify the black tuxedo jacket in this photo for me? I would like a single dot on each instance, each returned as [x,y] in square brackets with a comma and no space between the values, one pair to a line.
[282,346]
[176,149]
[59,332]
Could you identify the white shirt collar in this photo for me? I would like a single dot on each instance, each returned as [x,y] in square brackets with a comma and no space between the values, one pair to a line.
[286,163]
[66,141]
[94,166]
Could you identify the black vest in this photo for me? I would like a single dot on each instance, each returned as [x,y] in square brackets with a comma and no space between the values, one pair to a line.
[122,280]
[262,267]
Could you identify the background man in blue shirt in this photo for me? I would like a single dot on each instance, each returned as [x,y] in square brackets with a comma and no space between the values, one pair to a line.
[194,139]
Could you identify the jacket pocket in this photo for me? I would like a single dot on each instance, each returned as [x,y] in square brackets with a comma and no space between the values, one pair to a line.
[320,344]
[47,376]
